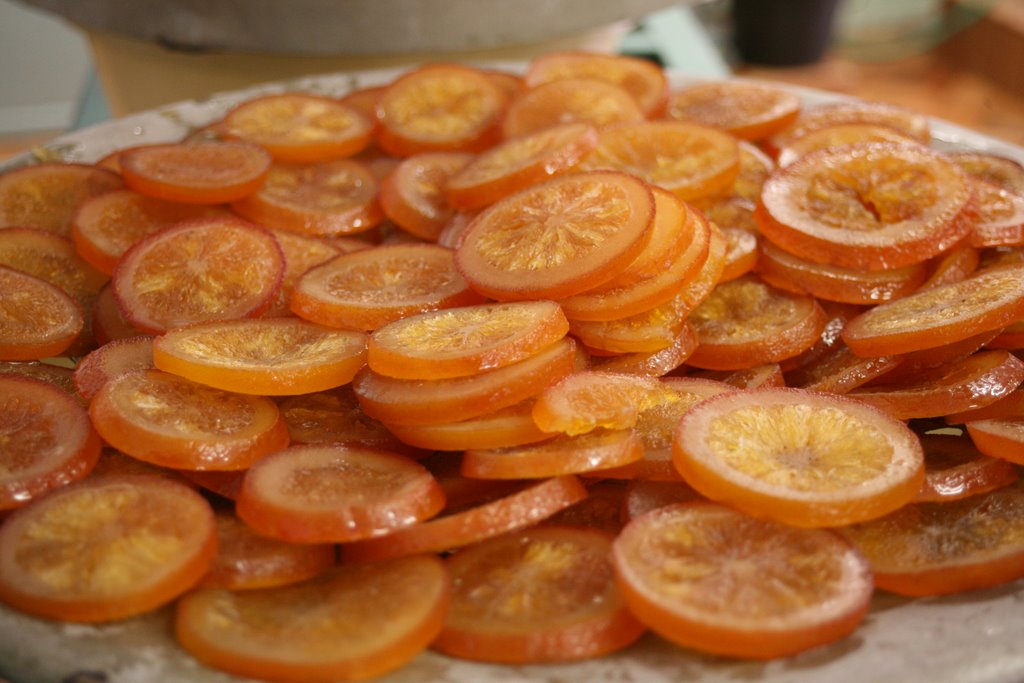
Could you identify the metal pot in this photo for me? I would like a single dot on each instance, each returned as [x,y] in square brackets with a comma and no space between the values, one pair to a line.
[349,27]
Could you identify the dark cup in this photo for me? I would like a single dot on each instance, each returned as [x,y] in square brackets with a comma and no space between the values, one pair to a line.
[782,32]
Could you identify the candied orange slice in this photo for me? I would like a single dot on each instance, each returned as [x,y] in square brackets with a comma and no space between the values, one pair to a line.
[690,160]
[954,265]
[999,216]
[994,168]
[955,468]
[652,363]
[334,493]
[269,356]
[913,124]
[950,547]
[59,376]
[106,548]
[456,342]
[424,402]
[585,401]
[764,375]
[37,320]
[643,496]
[835,283]
[641,78]
[840,135]
[246,560]
[999,437]
[978,380]
[799,457]
[746,322]
[742,252]
[412,195]
[198,271]
[988,300]
[196,173]
[511,512]
[173,422]
[585,100]
[587,453]
[708,577]
[512,165]
[557,238]
[46,195]
[440,107]
[48,440]
[658,327]
[838,370]
[546,594]
[326,198]
[302,252]
[305,631]
[503,428]
[110,360]
[872,205]
[746,109]
[334,416]
[300,128]
[646,283]
[369,288]
[105,226]
[108,321]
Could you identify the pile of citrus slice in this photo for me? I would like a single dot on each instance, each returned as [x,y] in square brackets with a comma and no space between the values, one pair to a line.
[513,366]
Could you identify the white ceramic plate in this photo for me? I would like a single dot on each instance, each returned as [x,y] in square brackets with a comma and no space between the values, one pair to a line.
[970,638]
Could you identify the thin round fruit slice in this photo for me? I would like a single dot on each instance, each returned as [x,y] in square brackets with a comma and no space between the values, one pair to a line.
[557,238]
[988,300]
[52,258]
[37,320]
[641,78]
[587,453]
[456,342]
[589,400]
[352,623]
[708,577]
[413,196]
[196,173]
[584,100]
[110,360]
[872,205]
[546,594]
[999,437]
[840,135]
[300,128]
[428,402]
[440,107]
[999,216]
[746,322]
[327,198]
[512,165]
[333,493]
[690,160]
[748,110]
[994,168]
[268,356]
[978,380]
[106,548]
[173,422]
[503,428]
[46,195]
[912,124]
[198,271]
[835,283]
[57,375]
[516,510]
[105,226]
[955,468]
[950,547]
[838,370]
[247,560]
[48,441]
[334,416]
[798,457]
[369,288]
[652,363]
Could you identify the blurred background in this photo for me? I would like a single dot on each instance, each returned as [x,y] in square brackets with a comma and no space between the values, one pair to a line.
[67,64]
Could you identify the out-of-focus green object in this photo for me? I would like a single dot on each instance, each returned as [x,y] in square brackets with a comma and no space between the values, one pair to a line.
[882,30]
